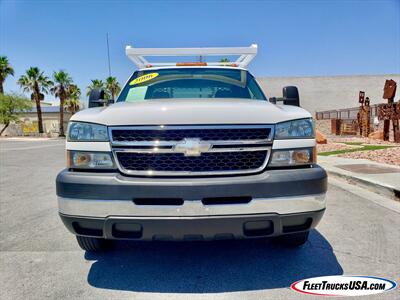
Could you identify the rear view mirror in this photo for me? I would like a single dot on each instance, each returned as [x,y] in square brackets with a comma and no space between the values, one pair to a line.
[96,98]
[291,96]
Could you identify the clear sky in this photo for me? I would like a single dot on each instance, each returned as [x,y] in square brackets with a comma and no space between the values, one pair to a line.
[295,38]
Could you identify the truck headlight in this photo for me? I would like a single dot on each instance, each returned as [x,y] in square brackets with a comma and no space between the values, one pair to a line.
[82,132]
[302,128]
[292,157]
[89,160]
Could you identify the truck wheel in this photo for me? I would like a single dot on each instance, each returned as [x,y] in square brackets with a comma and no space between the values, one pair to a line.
[92,244]
[294,239]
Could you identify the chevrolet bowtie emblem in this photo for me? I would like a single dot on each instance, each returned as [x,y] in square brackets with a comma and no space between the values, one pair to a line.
[192,147]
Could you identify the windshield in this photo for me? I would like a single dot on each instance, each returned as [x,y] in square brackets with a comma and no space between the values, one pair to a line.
[191,83]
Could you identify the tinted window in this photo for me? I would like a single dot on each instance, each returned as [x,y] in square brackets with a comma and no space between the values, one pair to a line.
[191,83]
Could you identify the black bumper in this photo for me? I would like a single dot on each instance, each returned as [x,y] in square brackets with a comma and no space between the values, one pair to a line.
[192,228]
[269,184]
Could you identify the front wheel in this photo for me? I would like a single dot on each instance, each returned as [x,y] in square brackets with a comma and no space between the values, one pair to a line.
[92,244]
[294,239]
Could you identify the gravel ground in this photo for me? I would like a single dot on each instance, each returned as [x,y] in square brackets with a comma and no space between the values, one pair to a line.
[389,156]
[334,147]
[360,140]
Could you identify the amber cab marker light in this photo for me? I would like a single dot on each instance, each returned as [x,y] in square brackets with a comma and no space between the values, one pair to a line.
[185,64]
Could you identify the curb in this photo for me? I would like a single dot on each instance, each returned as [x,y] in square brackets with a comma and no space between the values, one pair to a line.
[370,185]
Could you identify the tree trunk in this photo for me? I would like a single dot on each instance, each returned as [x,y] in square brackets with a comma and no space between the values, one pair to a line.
[61,125]
[39,112]
[1,84]
[4,128]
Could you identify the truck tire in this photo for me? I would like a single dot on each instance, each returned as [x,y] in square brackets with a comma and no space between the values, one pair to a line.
[92,244]
[294,239]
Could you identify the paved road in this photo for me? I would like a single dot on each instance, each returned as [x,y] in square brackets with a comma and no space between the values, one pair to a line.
[39,259]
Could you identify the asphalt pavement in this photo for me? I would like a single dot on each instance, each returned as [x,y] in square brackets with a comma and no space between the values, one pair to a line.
[40,259]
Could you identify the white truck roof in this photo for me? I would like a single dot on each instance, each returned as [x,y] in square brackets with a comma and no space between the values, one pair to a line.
[245,55]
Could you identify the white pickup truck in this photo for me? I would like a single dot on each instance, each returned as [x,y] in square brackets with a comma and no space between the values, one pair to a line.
[191,151]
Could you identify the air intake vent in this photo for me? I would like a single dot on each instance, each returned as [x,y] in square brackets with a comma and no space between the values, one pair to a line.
[158,201]
[226,200]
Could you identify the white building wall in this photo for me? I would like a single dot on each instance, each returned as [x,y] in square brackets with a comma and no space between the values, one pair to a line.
[333,92]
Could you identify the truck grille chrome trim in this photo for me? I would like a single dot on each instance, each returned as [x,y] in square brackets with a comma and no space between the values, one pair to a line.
[191,150]
[169,135]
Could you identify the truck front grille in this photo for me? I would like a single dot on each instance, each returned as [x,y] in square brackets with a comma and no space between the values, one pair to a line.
[217,134]
[207,162]
[191,150]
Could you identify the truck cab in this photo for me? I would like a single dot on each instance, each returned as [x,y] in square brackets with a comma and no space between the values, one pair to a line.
[191,151]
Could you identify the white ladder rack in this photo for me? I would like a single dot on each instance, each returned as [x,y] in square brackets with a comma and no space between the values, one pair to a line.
[245,55]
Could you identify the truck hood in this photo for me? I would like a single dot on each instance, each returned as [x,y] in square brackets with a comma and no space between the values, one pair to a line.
[191,111]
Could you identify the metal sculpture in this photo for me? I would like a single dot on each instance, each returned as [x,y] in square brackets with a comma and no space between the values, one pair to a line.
[363,116]
[390,111]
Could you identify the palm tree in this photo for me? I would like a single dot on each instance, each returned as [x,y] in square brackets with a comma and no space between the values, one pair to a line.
[96,84]
[5,70]
[37,83]
[112,87]
[62,81]
[72,103]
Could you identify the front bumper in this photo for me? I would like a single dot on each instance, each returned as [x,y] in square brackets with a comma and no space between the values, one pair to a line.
[104,204]
[192,228]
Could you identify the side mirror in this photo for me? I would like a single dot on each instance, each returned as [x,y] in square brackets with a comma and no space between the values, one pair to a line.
[291,96]
[273,100]
[96,98]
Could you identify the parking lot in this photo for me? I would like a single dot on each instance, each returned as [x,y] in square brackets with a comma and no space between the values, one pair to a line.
[39,259]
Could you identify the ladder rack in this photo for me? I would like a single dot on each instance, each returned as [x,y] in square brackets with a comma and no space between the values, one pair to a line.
[245,55]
